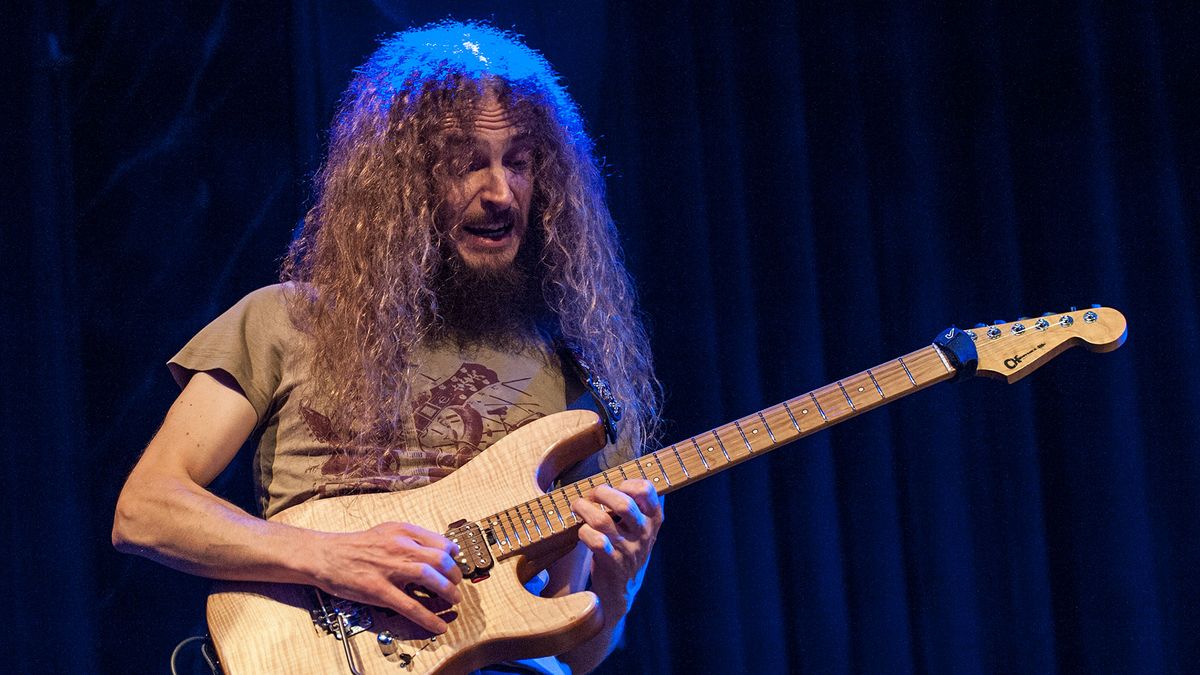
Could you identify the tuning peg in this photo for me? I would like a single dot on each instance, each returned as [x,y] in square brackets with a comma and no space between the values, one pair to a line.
[1073,308]
[1022,318]
[981,325]
[1095,306]
[997,322]
[1047,313]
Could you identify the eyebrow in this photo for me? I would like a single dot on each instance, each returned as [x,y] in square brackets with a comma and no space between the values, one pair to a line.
[521,141]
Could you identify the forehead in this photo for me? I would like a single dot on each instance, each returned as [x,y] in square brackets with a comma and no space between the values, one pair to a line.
[488,121]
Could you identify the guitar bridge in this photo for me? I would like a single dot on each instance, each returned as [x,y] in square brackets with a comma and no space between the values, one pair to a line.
[340,618]
[474,555]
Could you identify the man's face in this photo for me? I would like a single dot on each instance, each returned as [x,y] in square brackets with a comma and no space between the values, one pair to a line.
[487,206]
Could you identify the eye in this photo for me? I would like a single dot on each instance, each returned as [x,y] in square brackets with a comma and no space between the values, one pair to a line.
[521,163]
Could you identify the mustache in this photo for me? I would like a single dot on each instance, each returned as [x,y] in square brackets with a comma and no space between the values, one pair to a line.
[505,217]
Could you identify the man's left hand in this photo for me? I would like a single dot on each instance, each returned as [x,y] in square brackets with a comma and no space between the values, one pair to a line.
[620,539]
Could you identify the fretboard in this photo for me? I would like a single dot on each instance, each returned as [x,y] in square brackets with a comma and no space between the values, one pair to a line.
[706,454]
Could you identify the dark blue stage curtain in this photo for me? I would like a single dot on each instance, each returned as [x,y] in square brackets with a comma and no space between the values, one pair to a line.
[805,190]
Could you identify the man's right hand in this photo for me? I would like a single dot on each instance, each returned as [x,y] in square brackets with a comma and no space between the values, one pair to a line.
[379,565]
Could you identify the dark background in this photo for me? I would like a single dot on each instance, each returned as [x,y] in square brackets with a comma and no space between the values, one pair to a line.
[804,190]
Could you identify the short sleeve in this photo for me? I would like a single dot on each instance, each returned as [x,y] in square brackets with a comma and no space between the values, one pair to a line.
[246,342]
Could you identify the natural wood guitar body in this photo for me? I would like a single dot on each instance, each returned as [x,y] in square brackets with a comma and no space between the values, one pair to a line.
[268,628]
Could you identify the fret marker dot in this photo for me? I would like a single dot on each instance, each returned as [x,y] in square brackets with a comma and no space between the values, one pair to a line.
[710,448]
[754,431]
[804,411]
[860,389]
[656,479]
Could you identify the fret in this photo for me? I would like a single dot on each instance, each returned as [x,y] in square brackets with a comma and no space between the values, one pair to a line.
[674,471]
[513,527]
[566,503]
[860,391]
[767,427]
[699,453]
[876,383]
[531,520]
[660,468]
[806,413]
[639,466]
[907,371]
[576,486]
[499,532]
[545,514]
[791,417]
[833,402]
[849,401]
[648,462]
[893,380]
[731,440]
[721,445]
[683,466]
[525,523]
[507,531]
[752,429]
[818,405]
[779,428]
[749,448]
[556,511]
[938,350]
[621,468]
[607,480]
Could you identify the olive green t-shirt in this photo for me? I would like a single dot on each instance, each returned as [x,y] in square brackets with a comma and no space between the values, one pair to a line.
[463,401]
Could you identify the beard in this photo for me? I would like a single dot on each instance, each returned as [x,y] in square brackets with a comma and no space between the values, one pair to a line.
[500,307]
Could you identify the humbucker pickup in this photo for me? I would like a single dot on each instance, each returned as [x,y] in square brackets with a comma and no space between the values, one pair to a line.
[474,557]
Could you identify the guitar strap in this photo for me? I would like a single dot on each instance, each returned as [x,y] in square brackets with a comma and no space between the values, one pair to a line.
[586,390]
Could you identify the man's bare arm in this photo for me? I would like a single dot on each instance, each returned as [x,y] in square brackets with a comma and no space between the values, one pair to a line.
[165,513]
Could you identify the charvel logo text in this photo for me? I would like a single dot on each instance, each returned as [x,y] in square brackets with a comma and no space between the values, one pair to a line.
[1016,360]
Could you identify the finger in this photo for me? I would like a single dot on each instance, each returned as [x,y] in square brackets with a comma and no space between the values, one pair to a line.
[596,517]
[413,610]
[621,503]
[648,500]
[442,562]
[431,580]
[623,509]
[597,542]
[425,537]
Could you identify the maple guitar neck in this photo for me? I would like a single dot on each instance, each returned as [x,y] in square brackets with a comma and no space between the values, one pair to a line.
[1007,351]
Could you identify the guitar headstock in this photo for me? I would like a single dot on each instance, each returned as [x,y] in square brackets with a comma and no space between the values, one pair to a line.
[1010,351]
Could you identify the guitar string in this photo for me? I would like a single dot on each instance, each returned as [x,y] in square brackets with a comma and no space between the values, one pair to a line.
[887,373]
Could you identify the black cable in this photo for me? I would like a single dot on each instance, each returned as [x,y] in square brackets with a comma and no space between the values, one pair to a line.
[203,652]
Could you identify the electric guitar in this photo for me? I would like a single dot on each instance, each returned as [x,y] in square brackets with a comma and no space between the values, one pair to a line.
[509,523]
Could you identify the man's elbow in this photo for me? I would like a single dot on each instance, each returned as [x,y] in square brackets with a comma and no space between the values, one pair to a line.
[126,533]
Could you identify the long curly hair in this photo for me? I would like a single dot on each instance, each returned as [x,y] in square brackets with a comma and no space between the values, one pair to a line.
[366,261]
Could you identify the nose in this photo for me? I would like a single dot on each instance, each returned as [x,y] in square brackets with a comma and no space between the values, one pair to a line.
[496,192]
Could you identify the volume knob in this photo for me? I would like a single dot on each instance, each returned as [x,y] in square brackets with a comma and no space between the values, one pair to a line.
[387,643]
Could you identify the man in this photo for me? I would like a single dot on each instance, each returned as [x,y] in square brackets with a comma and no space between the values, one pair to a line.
[458,249]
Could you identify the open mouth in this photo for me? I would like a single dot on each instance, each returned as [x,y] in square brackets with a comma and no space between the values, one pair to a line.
[492,231]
